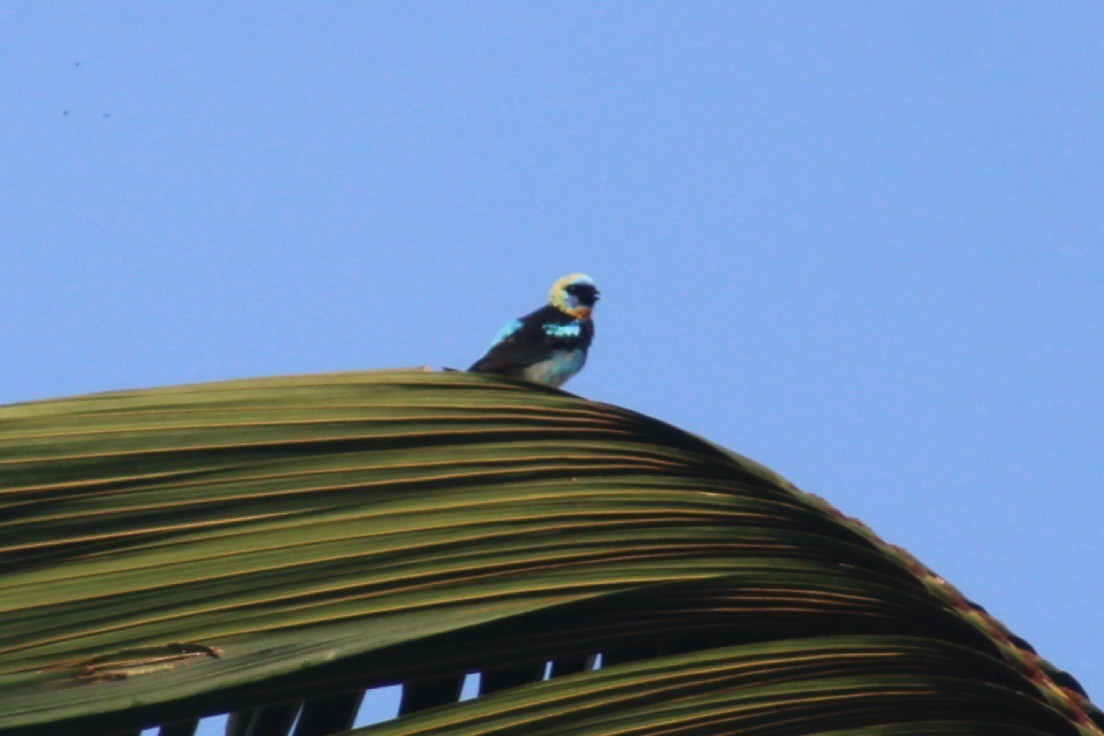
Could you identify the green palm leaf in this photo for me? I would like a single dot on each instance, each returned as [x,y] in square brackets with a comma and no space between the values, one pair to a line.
[175,552]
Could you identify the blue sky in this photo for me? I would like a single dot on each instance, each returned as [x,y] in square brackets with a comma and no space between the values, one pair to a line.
[859,242]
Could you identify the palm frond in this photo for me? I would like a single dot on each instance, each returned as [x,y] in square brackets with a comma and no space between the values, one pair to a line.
[175,552]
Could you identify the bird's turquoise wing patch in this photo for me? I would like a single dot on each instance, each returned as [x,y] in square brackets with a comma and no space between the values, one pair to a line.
[506,331]
[571,329]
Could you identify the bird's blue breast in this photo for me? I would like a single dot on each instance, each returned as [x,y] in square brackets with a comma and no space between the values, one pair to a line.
[557,368]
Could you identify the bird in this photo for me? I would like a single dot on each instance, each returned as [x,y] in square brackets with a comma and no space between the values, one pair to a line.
[549,345]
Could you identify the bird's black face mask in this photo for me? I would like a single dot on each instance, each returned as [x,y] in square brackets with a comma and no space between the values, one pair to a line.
[586,294]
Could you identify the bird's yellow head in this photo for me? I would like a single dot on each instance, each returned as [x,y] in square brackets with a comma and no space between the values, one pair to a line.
[575,294]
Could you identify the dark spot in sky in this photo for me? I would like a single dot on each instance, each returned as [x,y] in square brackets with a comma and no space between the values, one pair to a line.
[64,112]
[107,114]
